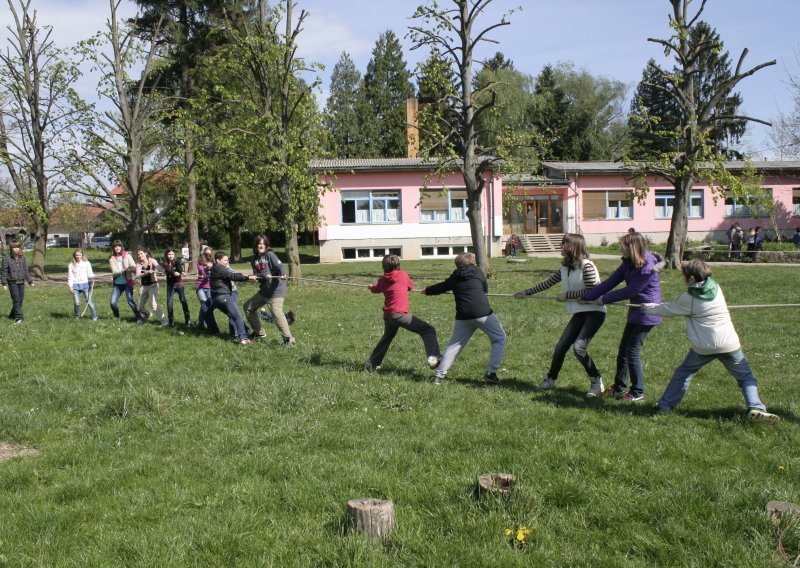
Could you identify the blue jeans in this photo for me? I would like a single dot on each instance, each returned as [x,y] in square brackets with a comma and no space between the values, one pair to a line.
[734,362]
[17,290]
[76,296]
[116,292]
[629,362]
[205,319]
[580,330]
[227,305]
[179,290]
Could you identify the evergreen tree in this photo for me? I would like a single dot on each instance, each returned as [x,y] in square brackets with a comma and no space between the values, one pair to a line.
[341,111]
[386,87]
[549,116]
[437,108]
[514,98]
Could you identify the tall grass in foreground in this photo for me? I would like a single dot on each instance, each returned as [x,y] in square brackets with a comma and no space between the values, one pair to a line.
[170,448]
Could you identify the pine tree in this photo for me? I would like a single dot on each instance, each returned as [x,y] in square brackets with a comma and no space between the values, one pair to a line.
[386,87]
[341,111]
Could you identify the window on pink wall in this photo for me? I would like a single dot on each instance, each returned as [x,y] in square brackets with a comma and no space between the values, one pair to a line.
[665,200]
[796,202]
[370,207]
[747,205]
[449,205]
[608,204]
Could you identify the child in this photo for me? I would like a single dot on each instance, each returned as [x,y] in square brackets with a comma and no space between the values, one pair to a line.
[473,311]
[186,255]
[202,287]
[123,267]
[712,336]
[395,284]
[268,268]
[14,274]
[146,268]
[639,270]
[79,272]
[577,274]
[221,277]
[173,270]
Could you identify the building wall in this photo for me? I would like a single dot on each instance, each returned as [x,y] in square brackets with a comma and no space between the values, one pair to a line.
[413,237]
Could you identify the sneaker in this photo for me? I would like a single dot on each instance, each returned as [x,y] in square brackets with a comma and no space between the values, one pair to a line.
[266,316]
[291,317]
[437,380]
[630,397]
[757,415]
[17,322]
[547,383]
[596,389]
[369,367]
[433,361]
[95,318]
[491,378]
[140,321]
[258,336]
[614,390]
[289,342]
[246,341]
[189,324]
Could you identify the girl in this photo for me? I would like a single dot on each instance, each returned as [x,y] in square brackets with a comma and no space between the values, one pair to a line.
[272,292]
[712,336]
[577,274]
[222,277]
[146,268]
[639,270]
[173,270]
[123,267]
[79,272]
[13,276]
[202,287]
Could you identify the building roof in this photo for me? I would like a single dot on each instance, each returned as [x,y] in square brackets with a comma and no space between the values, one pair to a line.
[766,166]
[371,164]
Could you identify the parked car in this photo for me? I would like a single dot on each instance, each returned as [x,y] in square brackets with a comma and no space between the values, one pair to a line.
[57,242]
[100,242]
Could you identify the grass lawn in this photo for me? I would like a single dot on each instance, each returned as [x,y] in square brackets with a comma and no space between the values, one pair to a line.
[170,448]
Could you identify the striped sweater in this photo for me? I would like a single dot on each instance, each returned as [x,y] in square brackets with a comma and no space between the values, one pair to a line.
[574,282]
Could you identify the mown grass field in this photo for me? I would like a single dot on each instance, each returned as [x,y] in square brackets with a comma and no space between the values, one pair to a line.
[170,448]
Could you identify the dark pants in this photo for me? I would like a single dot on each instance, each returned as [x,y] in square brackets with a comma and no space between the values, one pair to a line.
[580,330]
[225,304]
[392,323]
[629,361]
[205,319]
[736,251]
[181,292]
[17,290]
[116,292]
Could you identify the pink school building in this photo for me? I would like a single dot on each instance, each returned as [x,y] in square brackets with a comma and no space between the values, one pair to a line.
[369,208]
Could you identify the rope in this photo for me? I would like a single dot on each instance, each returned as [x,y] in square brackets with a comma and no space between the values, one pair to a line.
[88,298]
[730,306]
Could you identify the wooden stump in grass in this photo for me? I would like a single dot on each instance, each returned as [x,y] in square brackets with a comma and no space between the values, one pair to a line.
[777,509]
[496,483]
[371,516]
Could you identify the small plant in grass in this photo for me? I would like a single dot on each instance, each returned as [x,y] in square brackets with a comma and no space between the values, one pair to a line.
[517,538]
[787,537]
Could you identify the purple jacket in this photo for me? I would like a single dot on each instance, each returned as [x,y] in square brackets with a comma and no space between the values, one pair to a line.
[641,288]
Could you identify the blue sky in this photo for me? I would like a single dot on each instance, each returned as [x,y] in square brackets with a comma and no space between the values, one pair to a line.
[605,37]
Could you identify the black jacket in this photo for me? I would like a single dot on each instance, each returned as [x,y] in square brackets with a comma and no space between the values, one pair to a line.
[169,270]
[221,277]
[469,287]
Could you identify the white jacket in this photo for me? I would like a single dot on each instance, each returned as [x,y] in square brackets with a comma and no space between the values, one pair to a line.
[79,273]
[708,322]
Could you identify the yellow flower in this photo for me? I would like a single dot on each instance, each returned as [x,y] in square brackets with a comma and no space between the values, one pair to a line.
[781,468]
[520,536]
[508,532]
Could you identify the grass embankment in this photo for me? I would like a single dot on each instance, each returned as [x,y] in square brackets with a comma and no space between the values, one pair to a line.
[170,448]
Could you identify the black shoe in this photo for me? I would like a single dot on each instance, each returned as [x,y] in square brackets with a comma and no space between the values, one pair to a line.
[491,378]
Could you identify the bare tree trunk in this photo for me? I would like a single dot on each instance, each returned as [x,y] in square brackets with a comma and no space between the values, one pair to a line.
[235,236]
[679,224]
[39,248]
[191,188]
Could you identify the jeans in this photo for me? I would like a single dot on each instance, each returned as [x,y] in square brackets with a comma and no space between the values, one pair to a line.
[205,319]
[734,362]
[76,297]
[629,361]
[180,291]
[17,290]
[148,301]
[275,304]
[580,330]
[225,303]
[394,322]
[116,292]
[463,330]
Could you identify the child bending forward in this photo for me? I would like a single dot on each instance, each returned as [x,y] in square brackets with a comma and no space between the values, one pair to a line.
[473,311]
[395,284]
[712,336]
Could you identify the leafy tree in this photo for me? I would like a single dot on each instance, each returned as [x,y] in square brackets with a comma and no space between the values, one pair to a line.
[453,32]
[694,153]
[437,94]
[341,120]
[386,86]
[37,119]
[712,66]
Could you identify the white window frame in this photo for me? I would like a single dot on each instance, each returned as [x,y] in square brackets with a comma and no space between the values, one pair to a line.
[796,202]
[371,197]
[453,214]
[443,251]
[370,253]
[741,207]
[664,205]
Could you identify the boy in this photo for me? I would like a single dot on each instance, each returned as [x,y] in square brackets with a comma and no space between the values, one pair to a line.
[712,336]
[395,284]
[222,277]
[473,311]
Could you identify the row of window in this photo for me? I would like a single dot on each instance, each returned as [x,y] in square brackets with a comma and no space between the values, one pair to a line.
[432,251]
[382,207]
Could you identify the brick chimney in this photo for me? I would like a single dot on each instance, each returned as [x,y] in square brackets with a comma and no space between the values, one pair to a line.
[412,127]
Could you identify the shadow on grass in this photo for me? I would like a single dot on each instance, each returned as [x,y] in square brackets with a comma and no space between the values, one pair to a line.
[319,359]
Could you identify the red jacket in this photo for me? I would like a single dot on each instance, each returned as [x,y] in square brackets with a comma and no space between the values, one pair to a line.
[395,286]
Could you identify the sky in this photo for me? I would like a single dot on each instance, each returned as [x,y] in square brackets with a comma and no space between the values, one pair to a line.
[605,37]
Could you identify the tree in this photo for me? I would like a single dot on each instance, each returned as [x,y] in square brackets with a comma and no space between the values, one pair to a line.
[341,118]
[694,153]
[386,86]
[712,66]
[121,144]
[452,31]
[437,94]
[786,132]
[37,116]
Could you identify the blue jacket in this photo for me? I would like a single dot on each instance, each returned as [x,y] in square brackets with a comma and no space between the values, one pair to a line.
[641,287]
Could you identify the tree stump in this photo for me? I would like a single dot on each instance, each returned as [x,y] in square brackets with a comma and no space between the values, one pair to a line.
[777,509]
[496,483]
[373,517]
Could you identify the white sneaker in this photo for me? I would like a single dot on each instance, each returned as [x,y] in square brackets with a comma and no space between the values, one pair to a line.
[547,383]
[433,361]
[757,415]
[596,389]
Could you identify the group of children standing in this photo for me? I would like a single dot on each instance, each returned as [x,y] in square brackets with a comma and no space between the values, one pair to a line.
[709,326]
